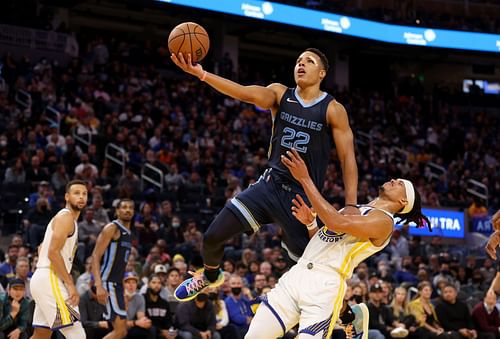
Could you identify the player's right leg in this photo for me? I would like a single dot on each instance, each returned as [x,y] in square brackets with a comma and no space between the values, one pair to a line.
[41,333]
[265,324]
[74,331]
[116,310]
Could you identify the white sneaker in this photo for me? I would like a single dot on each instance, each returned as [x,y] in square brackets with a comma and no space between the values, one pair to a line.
[360,323]
[399,332]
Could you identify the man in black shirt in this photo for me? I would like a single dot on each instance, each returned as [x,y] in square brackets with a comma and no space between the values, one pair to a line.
[382,322]
[91,314]
[157,309]
[454,315]
[196,318]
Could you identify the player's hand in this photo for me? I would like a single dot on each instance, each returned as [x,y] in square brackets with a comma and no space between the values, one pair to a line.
[350,210]
[74,297]
[493,243]
[301,211]
[101,295]
[495,221]
[295,164]
[185,63]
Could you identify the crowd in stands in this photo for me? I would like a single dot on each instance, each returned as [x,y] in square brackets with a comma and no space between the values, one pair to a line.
[209,148]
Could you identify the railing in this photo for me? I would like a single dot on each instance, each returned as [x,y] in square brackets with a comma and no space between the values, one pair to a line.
[84,138]
[117,155]
[53,116]
[434,171]
[477,189]
[38,39]
[23,98]
[145,176]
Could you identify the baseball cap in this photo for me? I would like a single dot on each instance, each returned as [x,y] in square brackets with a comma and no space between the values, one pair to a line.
[376,288]
[160,269]
[130,275]
[16,282]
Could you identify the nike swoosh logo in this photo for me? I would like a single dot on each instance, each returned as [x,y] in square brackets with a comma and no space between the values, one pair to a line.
[292,101]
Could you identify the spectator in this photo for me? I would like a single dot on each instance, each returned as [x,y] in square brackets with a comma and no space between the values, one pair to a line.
[91,314]
[85,169]
[486,317]
[398,246]
[405,274]
[15,174]
[173,280]
[238,306]
[196,318]
[401,311]
[83,281]
[59,178]
[381,322]
[100,213]
[88,230]
[139,326]
[36,221]
[22,272]
[43,191]
[35,172]
[259,284]
[8,268]
[454,315]
[157,309]
[14,311]
[425,314]
[226,330]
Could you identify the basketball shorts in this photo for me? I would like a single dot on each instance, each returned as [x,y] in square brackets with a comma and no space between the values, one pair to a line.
[267,201]
[51,309]
[308,294]
[115,307]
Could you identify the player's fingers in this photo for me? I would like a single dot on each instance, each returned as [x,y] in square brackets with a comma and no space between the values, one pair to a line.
[302,202]
[181,58]
[286,161]
[291,156]
[296,203]
[296,154]
[189,59]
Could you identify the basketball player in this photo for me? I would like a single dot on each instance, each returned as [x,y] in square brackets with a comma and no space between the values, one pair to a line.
[51,286]
[312,292]
[305,118]
[114,243]
[491,249]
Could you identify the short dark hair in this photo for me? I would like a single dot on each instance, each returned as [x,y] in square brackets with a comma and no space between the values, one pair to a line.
[124,200]
[322,57]
[173,269]
[75,182]
[415,215]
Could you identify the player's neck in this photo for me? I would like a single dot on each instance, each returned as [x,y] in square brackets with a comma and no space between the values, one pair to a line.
[383,204]
[308,93]
[124,223]
[75,213]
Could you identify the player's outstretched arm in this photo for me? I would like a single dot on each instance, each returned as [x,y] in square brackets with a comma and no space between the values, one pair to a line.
[375,226]
[101,244]
[263,97]
[344,143]
[305,215]
[62,227]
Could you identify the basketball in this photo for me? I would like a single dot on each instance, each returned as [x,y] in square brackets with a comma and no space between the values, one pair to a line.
[189,37]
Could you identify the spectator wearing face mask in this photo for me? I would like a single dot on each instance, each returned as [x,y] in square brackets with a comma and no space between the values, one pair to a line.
[226,330]
[196,318]
[238,305]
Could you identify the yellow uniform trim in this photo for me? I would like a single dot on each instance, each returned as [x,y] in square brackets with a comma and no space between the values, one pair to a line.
[54,283]
[339,300]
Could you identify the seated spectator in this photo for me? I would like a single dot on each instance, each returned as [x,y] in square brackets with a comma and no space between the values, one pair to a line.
[44,191]
[157,308]
[92,314]
[59,178]
[15,174]
[401,311]
[486,317]
[88,230]
[35,172]
[454,314]
[139,326]
[173,281]
[22,272]
[425,314]
[14,311]
[226,330]
[258,284]
[444,274]
[381,322]
[36,221]
[238,305]
[405,274]
[196,318]
[100,213]
[86,165]
[8,268]
[83,281]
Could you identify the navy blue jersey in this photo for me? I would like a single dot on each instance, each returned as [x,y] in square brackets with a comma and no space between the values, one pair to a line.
[116,256]
[305,128]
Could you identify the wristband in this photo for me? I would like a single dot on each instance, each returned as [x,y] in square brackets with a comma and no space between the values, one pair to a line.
[203,76]
[312,225]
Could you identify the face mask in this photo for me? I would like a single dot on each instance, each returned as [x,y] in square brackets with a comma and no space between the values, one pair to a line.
[407,266]
[357,298]
[175,224]
[212,296]
[445,272]
[236,290]
[361,276]
[202,297]
[129,294]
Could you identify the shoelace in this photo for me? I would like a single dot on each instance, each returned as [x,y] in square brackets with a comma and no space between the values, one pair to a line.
[197,283]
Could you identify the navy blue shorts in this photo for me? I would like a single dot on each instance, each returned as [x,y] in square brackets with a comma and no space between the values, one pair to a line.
[267,201]
[115,307]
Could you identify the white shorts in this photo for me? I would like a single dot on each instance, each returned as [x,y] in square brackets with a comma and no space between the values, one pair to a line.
[50,294]
[309,295]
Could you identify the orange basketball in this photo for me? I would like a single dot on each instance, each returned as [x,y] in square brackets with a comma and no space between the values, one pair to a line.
[189,37]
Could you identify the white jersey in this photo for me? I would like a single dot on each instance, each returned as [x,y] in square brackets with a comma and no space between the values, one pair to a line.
[340,251]
[68,250]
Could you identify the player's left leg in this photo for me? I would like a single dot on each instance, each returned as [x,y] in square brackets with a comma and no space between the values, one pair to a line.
[74,331]
[265,324]
[116,310]
[119,329]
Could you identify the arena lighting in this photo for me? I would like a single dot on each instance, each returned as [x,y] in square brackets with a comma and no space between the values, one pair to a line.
[331,22]
[445,223]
